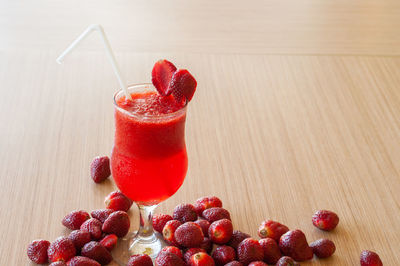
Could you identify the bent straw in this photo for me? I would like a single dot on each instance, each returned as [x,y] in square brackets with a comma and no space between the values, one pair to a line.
[109,52]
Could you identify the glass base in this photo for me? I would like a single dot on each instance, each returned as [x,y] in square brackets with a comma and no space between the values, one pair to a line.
[132,244]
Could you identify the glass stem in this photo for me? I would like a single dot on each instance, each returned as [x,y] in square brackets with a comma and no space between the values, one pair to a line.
[146,222]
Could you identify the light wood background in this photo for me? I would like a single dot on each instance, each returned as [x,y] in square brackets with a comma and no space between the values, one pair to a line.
[297,109]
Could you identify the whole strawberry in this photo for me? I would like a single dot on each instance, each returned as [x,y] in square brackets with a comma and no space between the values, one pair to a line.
[286,261]
[93,226]
[61,249]
[117,223]
[272,229]
[204,224]
[325,220]
[294,244]
[370,258]
[82,261]
[168,259]
[117,201]
[100,169]
[173,249]
[271,250]
[101,214]
[204,203]
[220,232]
[234,263]
[109,241]
[75,219]
[95,251]
[250,250]
[37,251]
[223,255]
[79,238]
[237,237]
[169,231]
[140,260]
[159,221]
[190,252]
[185,213]
[215,214]
[258,263]
[201,259]
[323,248]
[189,235]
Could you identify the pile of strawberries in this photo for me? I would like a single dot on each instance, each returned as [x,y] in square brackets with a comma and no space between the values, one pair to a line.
[92,238]
[198,235]
[202,235]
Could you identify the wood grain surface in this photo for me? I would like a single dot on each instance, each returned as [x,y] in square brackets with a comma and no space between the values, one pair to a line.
[297,109]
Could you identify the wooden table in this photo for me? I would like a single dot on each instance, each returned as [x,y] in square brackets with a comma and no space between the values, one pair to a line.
[297,109]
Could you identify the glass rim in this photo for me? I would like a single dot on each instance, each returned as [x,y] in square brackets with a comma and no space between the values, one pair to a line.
[145,116]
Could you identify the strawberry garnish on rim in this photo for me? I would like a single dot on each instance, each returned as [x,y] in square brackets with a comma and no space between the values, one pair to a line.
[161,76]
[182,85]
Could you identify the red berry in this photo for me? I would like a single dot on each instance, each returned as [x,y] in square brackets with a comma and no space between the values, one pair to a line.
[201,259]
[237,237]
[159,221]
[101,214]
[95,251]
[325,220]
[37,251]
[183,85]
[272,229]
[220,232]
[117,201]
[169,231]
[190,252]
[207,245]
[258,263]
[185,213]
[109,241]
[205,203]
[59,263]
[173,249]
[82,261]
[168,259]
[223,254]
[61,249]
[79,238]
[234,263]
[271,250]
[294,244]
[370,258]
[189,235]
[161,76]
[250,250]
[140,260]
[100,169]
[215,214]
[93,226]
[117,223]
[75,219]
[323,248]
[286,261]
[204,224]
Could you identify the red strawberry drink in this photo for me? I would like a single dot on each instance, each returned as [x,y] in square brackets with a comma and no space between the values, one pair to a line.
[149,159]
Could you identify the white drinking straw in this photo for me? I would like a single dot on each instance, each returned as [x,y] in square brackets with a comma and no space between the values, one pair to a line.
[110,54]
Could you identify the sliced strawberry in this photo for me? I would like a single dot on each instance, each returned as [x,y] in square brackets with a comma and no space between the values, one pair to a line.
[161,76]
[183,84]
